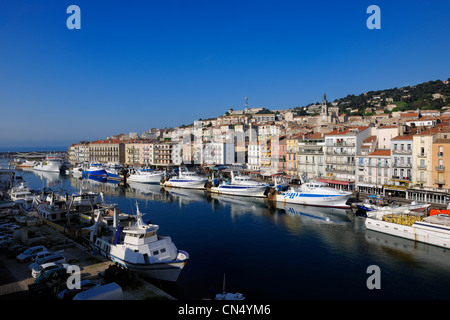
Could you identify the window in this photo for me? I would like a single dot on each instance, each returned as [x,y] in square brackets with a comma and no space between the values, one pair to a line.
[155,252]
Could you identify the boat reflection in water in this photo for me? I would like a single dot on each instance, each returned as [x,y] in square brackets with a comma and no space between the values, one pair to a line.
[321,214]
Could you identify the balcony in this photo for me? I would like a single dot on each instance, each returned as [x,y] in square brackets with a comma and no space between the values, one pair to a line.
[403,165]
[440,168]
[422,155]
[439,181]
[421,167]
[421,180]
[400,151]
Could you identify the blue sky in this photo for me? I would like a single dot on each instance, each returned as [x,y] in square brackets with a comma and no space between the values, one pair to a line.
[135,65]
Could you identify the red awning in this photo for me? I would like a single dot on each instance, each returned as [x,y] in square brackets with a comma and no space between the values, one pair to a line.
[344,183]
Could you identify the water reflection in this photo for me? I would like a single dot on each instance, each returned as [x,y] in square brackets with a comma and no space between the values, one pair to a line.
[323,251]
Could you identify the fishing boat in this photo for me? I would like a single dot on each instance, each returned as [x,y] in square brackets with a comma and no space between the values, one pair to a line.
[241,185]
[25,164]
[145,176]
[21,194]
[51,163]
[114,173]
[186,179]
[94,170]
[314,193]
[139,248]
[417,226]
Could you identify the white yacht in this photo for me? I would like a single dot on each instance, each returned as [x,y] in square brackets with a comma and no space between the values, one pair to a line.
[139,248]
[21,194]
[241,185]
[51,163]
[144,176]
[186,179]
[314,194]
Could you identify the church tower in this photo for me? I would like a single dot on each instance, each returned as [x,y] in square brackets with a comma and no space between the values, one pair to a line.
[324,106]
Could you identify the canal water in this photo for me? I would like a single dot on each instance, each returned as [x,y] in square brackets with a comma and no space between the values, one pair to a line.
[273,252]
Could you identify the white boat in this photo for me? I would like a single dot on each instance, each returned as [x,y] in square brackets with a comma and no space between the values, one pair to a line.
[380,211]
[25,164]
[51,163]
[314,194]
[186,179]
[144,176]
[241,185]
[77,171]
[22,195]
[139,248]
[434,230]
[54,210]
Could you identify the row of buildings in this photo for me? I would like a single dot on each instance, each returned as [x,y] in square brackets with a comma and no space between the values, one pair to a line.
[405,155]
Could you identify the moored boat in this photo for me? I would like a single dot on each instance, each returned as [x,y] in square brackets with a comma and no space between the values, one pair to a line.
[314,194]
[186,179]
[139,248]
[241,185]
[94,170]
[51,163]
[433,230]
[145,176]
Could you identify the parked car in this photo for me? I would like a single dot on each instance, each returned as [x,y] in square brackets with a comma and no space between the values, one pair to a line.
[41,269]
[6,240]
[53,257]
[15,250]
[68,294]
[57,273]
[30,253]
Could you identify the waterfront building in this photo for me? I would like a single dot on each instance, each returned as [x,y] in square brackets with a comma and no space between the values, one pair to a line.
[376,171]
[253,156]
[401,165]
[107,151]
[311,155]
[341,146]
[146,154]
[265,152]
[163,154]
[278,155]
[133,153]
[292,156]
[430,176]
[78,152]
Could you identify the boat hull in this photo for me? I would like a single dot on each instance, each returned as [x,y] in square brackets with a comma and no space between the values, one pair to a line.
[188,184]
[318,200]
[95,173]
[145,178]
[246,191]
[429,233]
[165,271]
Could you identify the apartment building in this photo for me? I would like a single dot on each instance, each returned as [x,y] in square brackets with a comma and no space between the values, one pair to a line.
[253,156]
[107,151]
[278,155]
[341,147]
[292,156]
[133,153]
[430,174]
[376,171]
[79,152]
[401,165]
[163,154]
[310,155]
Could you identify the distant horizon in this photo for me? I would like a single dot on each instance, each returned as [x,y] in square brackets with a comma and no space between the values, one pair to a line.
[33,149]
[139,65]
